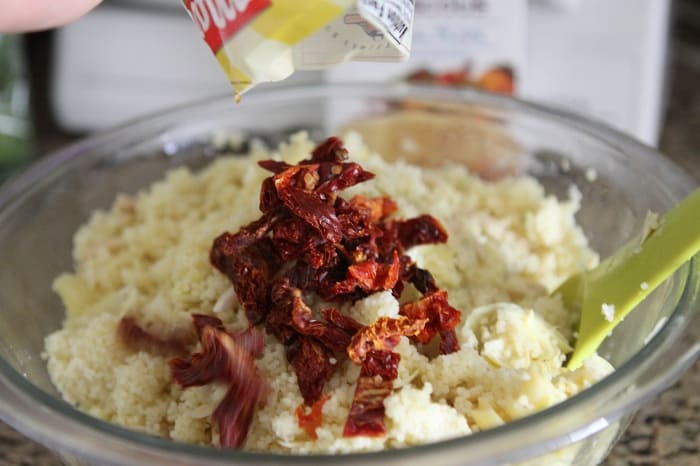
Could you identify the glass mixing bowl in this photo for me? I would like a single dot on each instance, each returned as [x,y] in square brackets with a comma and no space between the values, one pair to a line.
[619,178]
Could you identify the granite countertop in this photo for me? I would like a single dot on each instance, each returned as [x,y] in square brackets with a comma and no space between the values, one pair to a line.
[665,432]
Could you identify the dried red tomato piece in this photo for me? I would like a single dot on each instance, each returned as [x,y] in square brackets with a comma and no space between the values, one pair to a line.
[332,337]
[269,200]
[448,342]
[228,358]
[386,238]
[341,320]
[294,239]
[210,364]
[313,211]
[355,221]
[440,316]
[302,276]
[249,339]
[274,166]
[227,244]
[375,383]
[420,278]
[373,276]
[320,255]
[279,317]
[384,364]
[369,276]
[250,270]
[223,355]
[136,338]
[202,320]
[330,150]
[292,230]
[348,174]
[235,412]
[383,335]
[421,230]
[309,422]
[312,363]
[379,208]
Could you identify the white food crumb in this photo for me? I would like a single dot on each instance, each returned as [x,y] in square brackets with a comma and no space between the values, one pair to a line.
[644,285]
[225,301]
[608,311]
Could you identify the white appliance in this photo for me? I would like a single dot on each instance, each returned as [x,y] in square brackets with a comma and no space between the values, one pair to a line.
[604,59]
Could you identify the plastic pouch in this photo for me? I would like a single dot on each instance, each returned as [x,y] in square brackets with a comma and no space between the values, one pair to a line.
[258,41]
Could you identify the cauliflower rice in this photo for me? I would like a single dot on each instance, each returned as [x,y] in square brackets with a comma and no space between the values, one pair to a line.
[509,245]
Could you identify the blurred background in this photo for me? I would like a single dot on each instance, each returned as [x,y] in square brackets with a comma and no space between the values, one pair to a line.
[633,64]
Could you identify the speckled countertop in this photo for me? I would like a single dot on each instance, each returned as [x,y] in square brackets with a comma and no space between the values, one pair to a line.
[666,432]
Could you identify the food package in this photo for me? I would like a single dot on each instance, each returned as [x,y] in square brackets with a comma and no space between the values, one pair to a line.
[257,41]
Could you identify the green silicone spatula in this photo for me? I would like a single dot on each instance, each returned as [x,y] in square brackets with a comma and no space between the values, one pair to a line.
[608,292]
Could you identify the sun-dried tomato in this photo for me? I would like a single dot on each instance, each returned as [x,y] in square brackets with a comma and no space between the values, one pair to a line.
[202,320]
[227,244]
[375,383]
[448,342]
[301,275]
[440,317]
[355,221]
[348,174]
[381,363]
[421,279]
[206,366]
[226,357]
[313,211]
[311,420]
[320,255]
[279,318]
[235,412]
[373,276]
[249,339]
[332,337]
[341,320]
[269,200]
[383,335]
[379,207]
[250,270]
[421,230]
[313,365]
[274,166]
[136,338]
[310,240]
[330,150]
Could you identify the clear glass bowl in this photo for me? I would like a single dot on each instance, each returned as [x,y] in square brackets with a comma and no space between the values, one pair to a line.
[619,178]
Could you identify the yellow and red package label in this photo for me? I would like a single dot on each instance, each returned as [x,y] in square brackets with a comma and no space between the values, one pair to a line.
[267,40]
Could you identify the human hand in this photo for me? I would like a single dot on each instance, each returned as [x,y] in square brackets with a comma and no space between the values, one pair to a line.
[34,15]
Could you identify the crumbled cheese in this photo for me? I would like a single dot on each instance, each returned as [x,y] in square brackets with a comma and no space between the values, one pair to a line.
[608,311]
[225,301]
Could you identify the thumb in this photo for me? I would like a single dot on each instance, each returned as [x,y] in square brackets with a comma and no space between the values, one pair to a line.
[34,15]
